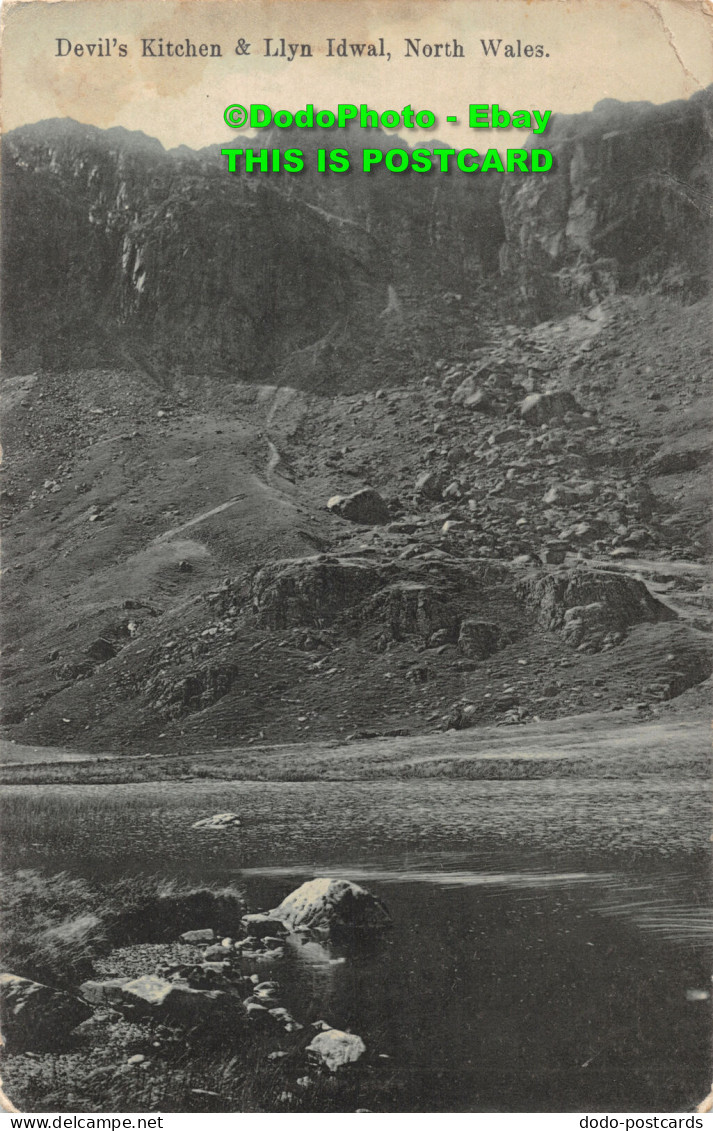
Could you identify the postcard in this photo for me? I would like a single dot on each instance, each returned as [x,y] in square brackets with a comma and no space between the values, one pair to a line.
[357,601]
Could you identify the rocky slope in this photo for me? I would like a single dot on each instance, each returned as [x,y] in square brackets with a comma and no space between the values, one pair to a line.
[177,572]
[176,577]
[116,251]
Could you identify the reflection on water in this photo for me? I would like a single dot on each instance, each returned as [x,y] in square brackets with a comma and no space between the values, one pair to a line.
[546,954]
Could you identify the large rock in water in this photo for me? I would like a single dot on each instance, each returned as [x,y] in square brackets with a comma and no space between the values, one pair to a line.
[365,506]
[35,1016]
[335,1048]
[338,907]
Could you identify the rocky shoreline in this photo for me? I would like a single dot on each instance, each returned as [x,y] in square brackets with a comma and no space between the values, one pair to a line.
[199,991]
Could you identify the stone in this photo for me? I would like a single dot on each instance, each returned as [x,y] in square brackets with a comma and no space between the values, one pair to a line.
[559,495]
[338,907]
[684,453]
[217,953]
[174,1003]
[107,992]
[101,650]
[203,936]
[249,943]
[479,402]
[539,408]
[456,454]
[335,1048]
[223,968]
[35,1016]
[553,554]
[260,924]
[430,484]
[266,991]
[464,390]
[505,436]
[404,526]
[461,716]
[218,821]
[581,532]
[581,621]
[255,1011]
[442,636]
[478,639]
[365,507]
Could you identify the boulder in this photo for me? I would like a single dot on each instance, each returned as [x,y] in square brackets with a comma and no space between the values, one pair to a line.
[365,507]
[335,1048]
[35,1016]
[464,390]
[337,907]
[584,621]
[553,554]
[456,455]
[259,925]
[505,436]
[461,716]
[430,484]
[217,953]
[174,1003]
[479,402]
[205,936]
[538,408]
[559,496]
[684,453]
[266,991]
[101,650]
[218,821]
[107,992]
[224,969]
[478,639]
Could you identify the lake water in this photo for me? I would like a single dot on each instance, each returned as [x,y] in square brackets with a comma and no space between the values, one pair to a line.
[552,939]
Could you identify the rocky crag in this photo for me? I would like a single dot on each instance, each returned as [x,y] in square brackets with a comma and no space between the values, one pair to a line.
[115,249]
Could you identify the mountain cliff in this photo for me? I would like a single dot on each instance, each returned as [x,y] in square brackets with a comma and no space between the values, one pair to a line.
[115,249]
[305,457]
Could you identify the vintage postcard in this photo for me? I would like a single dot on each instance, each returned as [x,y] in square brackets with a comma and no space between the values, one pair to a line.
[357,601]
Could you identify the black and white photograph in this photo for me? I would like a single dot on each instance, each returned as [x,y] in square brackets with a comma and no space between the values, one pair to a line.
[357,604]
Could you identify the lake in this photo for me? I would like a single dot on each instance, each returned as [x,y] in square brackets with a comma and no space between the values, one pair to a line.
[552,939]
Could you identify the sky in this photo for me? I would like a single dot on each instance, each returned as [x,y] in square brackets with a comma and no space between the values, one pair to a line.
[632,50]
